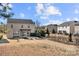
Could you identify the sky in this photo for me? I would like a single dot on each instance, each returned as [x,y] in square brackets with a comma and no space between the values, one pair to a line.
[46,13]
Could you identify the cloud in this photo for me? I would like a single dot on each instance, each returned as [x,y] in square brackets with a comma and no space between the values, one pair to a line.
[72,19]
[47,10]
[39,8]
[43,17]
[51,10]
[22,15]
[76,11]
[10,5]
[53,22]
[68,19]
[75,19]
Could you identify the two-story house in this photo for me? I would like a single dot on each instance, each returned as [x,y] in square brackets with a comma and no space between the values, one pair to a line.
[52,27]
[20,27]
[69,27]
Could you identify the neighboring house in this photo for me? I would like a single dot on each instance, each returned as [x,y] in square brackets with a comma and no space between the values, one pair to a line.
[52,28]
[69,27]
[43,27]
[20,27]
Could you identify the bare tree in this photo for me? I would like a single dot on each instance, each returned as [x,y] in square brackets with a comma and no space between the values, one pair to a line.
[37,23]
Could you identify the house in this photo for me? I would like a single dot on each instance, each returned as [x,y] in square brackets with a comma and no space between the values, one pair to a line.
[52,28]
[69,27]
[20,27]
[43,27]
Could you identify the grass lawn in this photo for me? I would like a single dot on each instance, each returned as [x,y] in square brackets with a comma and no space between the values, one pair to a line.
[36,48]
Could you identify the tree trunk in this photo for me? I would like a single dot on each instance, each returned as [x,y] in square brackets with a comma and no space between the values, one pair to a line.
[70,37]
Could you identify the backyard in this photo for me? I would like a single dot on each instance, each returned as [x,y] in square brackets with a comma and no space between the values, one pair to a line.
[42,47]
[41,43]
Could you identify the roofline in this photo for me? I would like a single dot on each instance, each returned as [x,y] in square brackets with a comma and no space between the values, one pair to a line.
[20,19]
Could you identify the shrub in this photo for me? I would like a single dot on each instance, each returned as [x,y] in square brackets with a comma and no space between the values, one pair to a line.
[42,33]
[76,34]
[65,32]
[1,37]
[60,32]
[38,34]
[35,34]
[47,32]
[53,31]
[32,34]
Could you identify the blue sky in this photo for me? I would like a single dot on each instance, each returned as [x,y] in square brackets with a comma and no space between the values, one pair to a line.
[46,13]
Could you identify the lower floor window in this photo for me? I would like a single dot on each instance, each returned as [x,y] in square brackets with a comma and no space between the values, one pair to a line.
[16,34]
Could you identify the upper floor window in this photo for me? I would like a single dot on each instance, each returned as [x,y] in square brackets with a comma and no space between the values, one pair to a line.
[21,26]
[11,26]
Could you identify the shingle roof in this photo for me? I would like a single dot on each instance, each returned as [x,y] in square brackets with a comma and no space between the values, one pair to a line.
[25,21]
[76,23]
[52,25]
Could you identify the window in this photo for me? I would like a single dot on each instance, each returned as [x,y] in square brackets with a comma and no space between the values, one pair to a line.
[11,26]
[16,34]
[23,34]
[27,32]
[28,26]
[21,26]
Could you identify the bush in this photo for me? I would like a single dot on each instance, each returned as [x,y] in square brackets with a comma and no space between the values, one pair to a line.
[65,33]
[39,33]
[47,32]
[32,34]
[76,34]
[42,33]
[53,31]
[1,37]
[70,37]
[35,34]
[60,32]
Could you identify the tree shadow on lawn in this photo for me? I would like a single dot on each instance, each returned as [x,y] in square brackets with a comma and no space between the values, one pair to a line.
[4,41]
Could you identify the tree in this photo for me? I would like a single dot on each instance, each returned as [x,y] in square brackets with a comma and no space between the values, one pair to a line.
[70,37]
[47,32]
[1,27]
[5,12]
[37,28]
[37,23]
[53,31]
